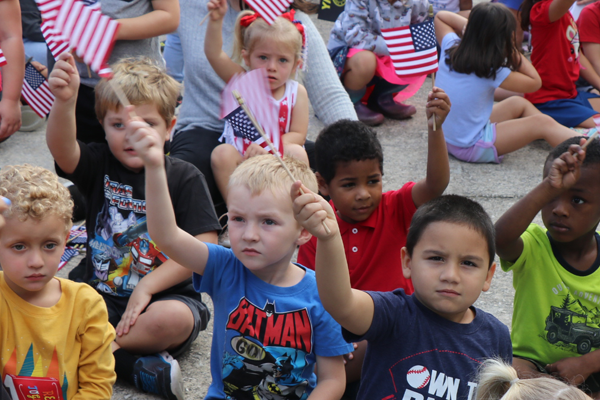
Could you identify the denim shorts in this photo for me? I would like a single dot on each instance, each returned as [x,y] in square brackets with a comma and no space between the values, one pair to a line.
[483,151]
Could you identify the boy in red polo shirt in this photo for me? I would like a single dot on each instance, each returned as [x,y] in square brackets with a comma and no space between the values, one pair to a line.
[373,224]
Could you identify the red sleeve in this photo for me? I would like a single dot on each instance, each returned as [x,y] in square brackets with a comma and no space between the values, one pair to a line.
[540,13]
[589,24]
[307,253]
[402,203]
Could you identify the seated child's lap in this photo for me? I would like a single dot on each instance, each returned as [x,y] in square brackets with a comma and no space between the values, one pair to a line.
[117,305]
[570,112]
[483,151]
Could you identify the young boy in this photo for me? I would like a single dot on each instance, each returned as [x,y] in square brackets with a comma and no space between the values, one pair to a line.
[161,311]
[373,224]
[270,327]
[54,334]
[555,270]
[428,345]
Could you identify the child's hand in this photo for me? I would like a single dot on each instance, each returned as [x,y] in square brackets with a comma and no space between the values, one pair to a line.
[566,169]
[438,104]
[146,142]
[350,356]
[64,79]
[312,211]
[572,369]
[254,150]
[217,9]
[138,301]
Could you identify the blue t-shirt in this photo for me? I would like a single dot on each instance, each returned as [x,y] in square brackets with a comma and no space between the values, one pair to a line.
[265,338]
[472,99]
[413,353]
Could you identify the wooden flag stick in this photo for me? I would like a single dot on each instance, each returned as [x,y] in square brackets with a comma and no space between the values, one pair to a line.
[205,18]
[432,86]
[78,233]
[242,103]
[587,142]
[121,96]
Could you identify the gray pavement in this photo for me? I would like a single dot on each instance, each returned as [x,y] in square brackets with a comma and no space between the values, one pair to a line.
[496,187]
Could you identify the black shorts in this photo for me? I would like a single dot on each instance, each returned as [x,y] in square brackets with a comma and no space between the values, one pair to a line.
[186,294]
[591,384]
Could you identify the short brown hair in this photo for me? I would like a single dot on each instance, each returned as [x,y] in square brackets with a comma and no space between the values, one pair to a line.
[143,82]
[266,172]
[35,193]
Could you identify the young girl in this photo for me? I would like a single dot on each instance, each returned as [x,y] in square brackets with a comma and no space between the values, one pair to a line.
[499,381]
[278,49]
[361,56]
[556,56]
[477,130]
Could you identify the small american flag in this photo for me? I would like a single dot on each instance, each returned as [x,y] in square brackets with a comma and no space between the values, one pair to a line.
[412,49]
[48,8]
[89,32]
[36,91]
[243,127]
[56,45]
[2,59]
[254,88]
[269,10]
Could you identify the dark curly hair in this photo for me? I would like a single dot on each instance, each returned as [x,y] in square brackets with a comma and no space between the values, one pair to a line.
[453,209]
[592,151]
[345,141]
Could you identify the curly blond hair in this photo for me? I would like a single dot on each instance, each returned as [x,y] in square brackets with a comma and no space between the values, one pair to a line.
[143,82]
[266,172]
[35,193]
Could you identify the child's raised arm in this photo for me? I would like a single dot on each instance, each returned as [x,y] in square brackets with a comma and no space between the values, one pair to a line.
[213,42]
[563,174]
[447,22]
[558,8]
[353,309]
[61,131]
[179,245]
[438,167]
[11,43]
[525,80]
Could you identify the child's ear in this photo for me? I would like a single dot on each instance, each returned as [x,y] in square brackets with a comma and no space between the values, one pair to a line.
[488,278]
[323,186]
[406,263]
[304,237]
[170,128]
[246,57]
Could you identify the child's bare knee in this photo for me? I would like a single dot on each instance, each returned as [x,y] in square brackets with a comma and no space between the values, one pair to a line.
[296,151]
[223,154]
[169,319]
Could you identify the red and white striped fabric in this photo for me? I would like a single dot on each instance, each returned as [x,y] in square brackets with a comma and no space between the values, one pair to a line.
[90,33]
[48,8]
[36,91]
[269,10]
[412,49]
[56,45]
[2,59]
[254,88]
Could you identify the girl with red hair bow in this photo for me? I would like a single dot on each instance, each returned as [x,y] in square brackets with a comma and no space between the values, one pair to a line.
[279,49]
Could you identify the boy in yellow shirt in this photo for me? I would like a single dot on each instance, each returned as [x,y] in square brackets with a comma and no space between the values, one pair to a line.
[55,339]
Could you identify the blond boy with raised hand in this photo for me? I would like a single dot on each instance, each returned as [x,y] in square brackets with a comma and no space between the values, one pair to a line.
[270,328]
[55,338]
[150,299]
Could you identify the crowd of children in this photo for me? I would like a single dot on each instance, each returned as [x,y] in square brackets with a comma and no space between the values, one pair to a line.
[380,303]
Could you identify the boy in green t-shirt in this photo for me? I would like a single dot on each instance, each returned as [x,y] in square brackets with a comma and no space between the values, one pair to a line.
[556,319]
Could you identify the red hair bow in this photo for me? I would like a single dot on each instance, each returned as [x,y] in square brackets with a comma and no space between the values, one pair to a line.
[248,19]
[290,17]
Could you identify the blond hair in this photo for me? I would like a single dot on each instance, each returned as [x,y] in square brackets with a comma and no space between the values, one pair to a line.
[266,172]
[498,380]
[143,82]
[282,31]
[35,193]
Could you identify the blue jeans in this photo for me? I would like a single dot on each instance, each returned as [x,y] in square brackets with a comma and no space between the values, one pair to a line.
[173,55]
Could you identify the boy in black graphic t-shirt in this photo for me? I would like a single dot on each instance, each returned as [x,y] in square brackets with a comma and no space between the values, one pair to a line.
[160,312]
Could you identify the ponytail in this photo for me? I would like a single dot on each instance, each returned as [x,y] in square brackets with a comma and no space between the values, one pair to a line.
[239,36]
[524,12]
